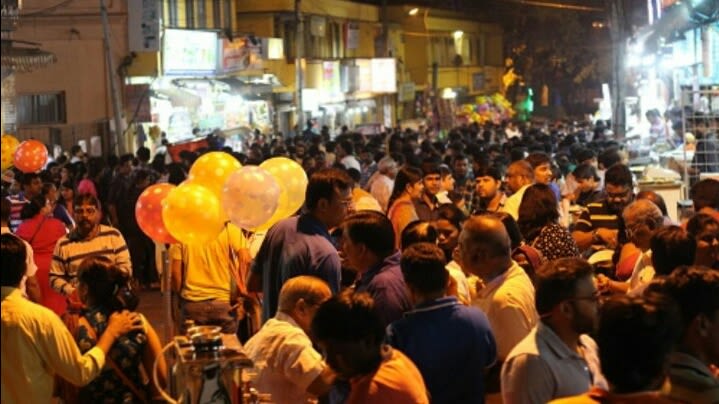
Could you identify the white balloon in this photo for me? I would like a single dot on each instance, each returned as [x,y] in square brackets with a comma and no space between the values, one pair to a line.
[250,197]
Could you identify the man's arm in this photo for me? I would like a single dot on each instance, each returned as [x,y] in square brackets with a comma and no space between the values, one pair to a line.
[32,287]
[58,273]
[59,350]
[175,255]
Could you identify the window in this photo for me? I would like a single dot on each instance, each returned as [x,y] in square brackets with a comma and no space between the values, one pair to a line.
[40,109]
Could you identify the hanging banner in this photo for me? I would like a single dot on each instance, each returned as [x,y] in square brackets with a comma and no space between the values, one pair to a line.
[351,35]
[244,53]
[143,25]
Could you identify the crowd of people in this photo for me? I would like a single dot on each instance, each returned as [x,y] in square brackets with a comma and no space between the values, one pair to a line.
[476,267]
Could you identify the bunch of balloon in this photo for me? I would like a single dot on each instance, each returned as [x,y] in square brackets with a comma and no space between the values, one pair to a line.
[9,145]
[292,180]
[250,197]
[148,212]
[30,156]
[211,171]
[191,214]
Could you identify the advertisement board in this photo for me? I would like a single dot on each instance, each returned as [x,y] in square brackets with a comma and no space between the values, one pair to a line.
[189,53]
[384,75]
[244,53]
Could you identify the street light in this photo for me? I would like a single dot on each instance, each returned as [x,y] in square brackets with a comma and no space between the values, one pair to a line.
[414,11]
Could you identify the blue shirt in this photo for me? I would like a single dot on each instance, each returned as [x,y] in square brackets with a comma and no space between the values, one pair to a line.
[451,345]
[385,283]
[299,245]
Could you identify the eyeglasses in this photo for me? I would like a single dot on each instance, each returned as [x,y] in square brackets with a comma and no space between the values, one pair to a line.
[88,211]
[620,195]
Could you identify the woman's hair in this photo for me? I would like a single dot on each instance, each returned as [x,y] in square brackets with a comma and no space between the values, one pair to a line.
[451,213]
[68,185]
[103,280]
[31,209]
[406,176]
[538,209]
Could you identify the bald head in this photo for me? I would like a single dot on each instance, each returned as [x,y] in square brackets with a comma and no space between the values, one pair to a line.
[487,234]
[310,289]
[519,174]
[643,211]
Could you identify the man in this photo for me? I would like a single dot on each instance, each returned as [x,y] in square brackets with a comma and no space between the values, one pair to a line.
[117,201]
[368,244]
[488,196]
[599,225]
[381,183]
[508,295]
[344,152]
[426,205]
[29,285]
[635,337]
[691,378]
[451,344]
[36,345]
[541,167]
[202,275]
[520,176]
[557,358]
[87,239]
[463,178]
[705,195]
[641,219]
[31,184]
[361,199]
[302,245]
[587,181]
[288,367]
[350,335]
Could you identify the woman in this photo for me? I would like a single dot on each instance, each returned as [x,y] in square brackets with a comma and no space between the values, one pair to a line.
[59,211]
[705,230]
[449,225]
[104,289]
[67,197]
[407,188]
[426,232]
[91,179]
[42,231]
[538,222]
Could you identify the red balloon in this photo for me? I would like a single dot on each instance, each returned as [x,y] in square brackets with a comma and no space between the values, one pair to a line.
[30,156]
[148,212]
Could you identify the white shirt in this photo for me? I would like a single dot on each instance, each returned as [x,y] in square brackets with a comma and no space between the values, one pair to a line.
[30,267]
[511,204]
[285,360]
[508,301]
[350,161]
[381,189]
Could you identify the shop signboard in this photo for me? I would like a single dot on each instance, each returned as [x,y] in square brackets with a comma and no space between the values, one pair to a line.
[364,76]
[406,91]
[477,82]
[384,75]
[143,23]
[190,53]
[351,35]
[330,87]
[244,53]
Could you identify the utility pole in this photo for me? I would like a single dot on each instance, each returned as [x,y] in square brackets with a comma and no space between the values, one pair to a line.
[299,76]
[117,142]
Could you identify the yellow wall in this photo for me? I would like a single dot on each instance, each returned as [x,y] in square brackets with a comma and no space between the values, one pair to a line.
[262,25]
[74,34]
[334,8]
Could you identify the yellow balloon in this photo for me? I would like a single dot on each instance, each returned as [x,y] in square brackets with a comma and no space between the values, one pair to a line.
[192,214]
[212,169]
[9,145]
[292,179]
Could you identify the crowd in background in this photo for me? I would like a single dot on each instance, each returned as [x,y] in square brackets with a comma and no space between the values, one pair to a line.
[492,263]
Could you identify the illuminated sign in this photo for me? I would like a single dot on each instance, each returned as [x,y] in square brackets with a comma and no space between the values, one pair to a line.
[384,75]
[190,53]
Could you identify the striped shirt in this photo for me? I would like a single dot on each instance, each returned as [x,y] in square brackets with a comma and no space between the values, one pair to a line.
[597,216]
[16,204]
[70,252]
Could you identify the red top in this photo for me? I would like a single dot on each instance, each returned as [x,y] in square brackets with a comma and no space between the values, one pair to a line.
[42,233]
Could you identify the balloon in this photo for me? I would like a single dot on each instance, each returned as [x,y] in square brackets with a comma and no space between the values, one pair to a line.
[9,145]
[250,197]
[192,214]
[30,156]
[212,169]
[292,180]
[148,212]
